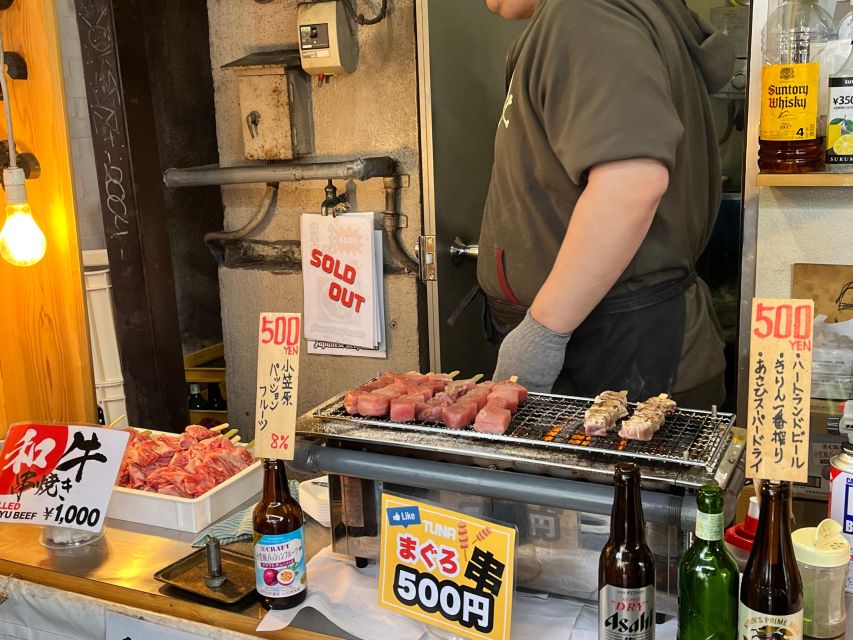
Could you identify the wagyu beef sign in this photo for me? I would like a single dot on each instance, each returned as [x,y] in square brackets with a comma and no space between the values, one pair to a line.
[341,288]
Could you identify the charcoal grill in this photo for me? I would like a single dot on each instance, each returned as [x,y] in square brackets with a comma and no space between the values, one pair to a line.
[691,438]
[544,475]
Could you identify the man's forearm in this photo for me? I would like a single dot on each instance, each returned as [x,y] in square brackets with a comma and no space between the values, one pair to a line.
[607,227]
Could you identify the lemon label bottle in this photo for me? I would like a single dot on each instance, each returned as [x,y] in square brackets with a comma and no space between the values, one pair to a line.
[839,128]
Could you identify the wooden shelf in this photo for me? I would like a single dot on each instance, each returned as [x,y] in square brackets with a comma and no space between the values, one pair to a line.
[818,179]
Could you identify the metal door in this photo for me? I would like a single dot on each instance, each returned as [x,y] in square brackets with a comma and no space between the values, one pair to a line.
[462,51]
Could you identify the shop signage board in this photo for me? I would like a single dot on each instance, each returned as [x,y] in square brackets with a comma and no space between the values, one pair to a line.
[780,375]
[59,475]
[446,568]
[342,283]
[278,384]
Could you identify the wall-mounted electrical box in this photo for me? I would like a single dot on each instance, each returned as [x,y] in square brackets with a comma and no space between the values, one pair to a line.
[275,105]
[326,41]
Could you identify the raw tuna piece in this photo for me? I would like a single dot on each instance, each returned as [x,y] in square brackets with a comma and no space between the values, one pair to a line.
[429,412]
[492,418]
[440,377]
[459,414]
[402,410]
[198,432]
[488,385]
[456,388]
[416,378]
[426,392]
[373,405]
[351,400]
[508,398]
[479,396]
[522,391]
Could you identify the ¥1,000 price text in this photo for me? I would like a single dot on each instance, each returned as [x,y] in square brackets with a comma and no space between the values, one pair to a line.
[72,514]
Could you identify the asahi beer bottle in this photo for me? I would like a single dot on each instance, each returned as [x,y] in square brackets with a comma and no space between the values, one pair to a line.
[708,576]
[279,542]
[771,592]
[626,568]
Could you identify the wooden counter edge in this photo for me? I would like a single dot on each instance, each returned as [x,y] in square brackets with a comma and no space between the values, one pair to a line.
[154,603]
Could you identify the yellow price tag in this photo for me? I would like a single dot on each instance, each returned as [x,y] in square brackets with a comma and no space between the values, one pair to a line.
[446,568]
[780,382]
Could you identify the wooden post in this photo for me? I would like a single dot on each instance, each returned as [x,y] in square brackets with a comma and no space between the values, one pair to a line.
[45,364]
[124,136]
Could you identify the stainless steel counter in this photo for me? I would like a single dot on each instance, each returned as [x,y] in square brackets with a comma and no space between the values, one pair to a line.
[120,568]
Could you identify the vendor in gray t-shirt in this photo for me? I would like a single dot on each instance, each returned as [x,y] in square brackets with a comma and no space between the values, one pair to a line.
[604,191]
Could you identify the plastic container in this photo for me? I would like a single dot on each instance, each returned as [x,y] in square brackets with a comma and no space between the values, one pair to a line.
[823,555]
[186,514]
[740,537]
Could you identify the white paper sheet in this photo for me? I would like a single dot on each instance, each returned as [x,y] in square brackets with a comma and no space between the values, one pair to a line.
[339,279]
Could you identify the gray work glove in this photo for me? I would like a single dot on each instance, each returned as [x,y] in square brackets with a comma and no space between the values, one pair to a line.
[534,353]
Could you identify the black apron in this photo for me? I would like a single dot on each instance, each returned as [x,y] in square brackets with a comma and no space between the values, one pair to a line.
[630,341]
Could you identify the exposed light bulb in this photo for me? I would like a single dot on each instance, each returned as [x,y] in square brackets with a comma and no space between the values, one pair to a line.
[22,242]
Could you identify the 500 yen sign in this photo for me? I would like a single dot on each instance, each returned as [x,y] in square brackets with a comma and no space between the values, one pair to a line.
[784,321]
[72,514]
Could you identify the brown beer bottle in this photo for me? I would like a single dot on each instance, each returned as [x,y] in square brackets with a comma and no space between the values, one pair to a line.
[626,568]
[279,544]
[771,592]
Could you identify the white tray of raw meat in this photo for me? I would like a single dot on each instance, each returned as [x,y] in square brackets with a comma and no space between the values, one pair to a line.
[186,514]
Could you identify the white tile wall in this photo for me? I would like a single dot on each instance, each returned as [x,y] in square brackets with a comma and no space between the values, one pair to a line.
[90,226]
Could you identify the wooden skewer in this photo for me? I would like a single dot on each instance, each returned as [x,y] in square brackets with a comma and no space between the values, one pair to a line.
[235,439]
[453,374]
[477,377]
[250,444]
[116,421]
[220,427]
[230,433]
[513,378]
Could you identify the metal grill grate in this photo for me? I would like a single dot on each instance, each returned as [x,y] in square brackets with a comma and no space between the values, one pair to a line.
[693,438]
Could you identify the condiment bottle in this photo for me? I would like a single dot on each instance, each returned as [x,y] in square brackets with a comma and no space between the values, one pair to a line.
[823,554]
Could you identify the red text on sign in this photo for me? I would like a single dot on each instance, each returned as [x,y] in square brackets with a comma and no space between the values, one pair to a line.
[784,322]
[281,331]
[280,442]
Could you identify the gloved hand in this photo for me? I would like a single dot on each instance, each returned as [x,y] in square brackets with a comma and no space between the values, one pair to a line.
[534,353]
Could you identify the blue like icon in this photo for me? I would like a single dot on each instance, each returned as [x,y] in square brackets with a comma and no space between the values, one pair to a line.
[403,516]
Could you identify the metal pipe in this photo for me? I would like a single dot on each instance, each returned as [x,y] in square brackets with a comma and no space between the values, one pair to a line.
[357,169]
[267,205]
[574,495]
[391,228]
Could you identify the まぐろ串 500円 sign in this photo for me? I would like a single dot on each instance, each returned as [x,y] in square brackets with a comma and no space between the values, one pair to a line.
[447,569]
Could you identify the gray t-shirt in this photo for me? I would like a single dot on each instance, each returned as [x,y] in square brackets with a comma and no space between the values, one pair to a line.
[598,81]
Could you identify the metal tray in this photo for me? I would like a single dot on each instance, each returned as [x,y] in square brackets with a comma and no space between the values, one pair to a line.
[188,574]
[690,437]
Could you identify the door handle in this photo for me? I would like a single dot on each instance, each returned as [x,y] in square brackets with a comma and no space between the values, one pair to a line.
[461,249]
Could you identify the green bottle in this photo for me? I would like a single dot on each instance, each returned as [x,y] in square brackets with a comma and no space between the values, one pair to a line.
[708,576]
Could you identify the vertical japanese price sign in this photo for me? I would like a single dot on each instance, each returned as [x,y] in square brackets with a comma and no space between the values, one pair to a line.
[278,384]
[59,475]
[446,568]
[780,382]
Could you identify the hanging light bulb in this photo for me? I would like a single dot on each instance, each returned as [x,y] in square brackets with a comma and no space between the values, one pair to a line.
[22,242]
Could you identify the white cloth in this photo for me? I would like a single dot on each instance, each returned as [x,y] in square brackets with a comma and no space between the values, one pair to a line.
[347,596]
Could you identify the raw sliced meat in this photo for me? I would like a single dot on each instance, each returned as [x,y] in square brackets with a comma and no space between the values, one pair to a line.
[479,396]
[459,414]
[492,418]
[402,410]
[430,412]
[351,400]
[426,392]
